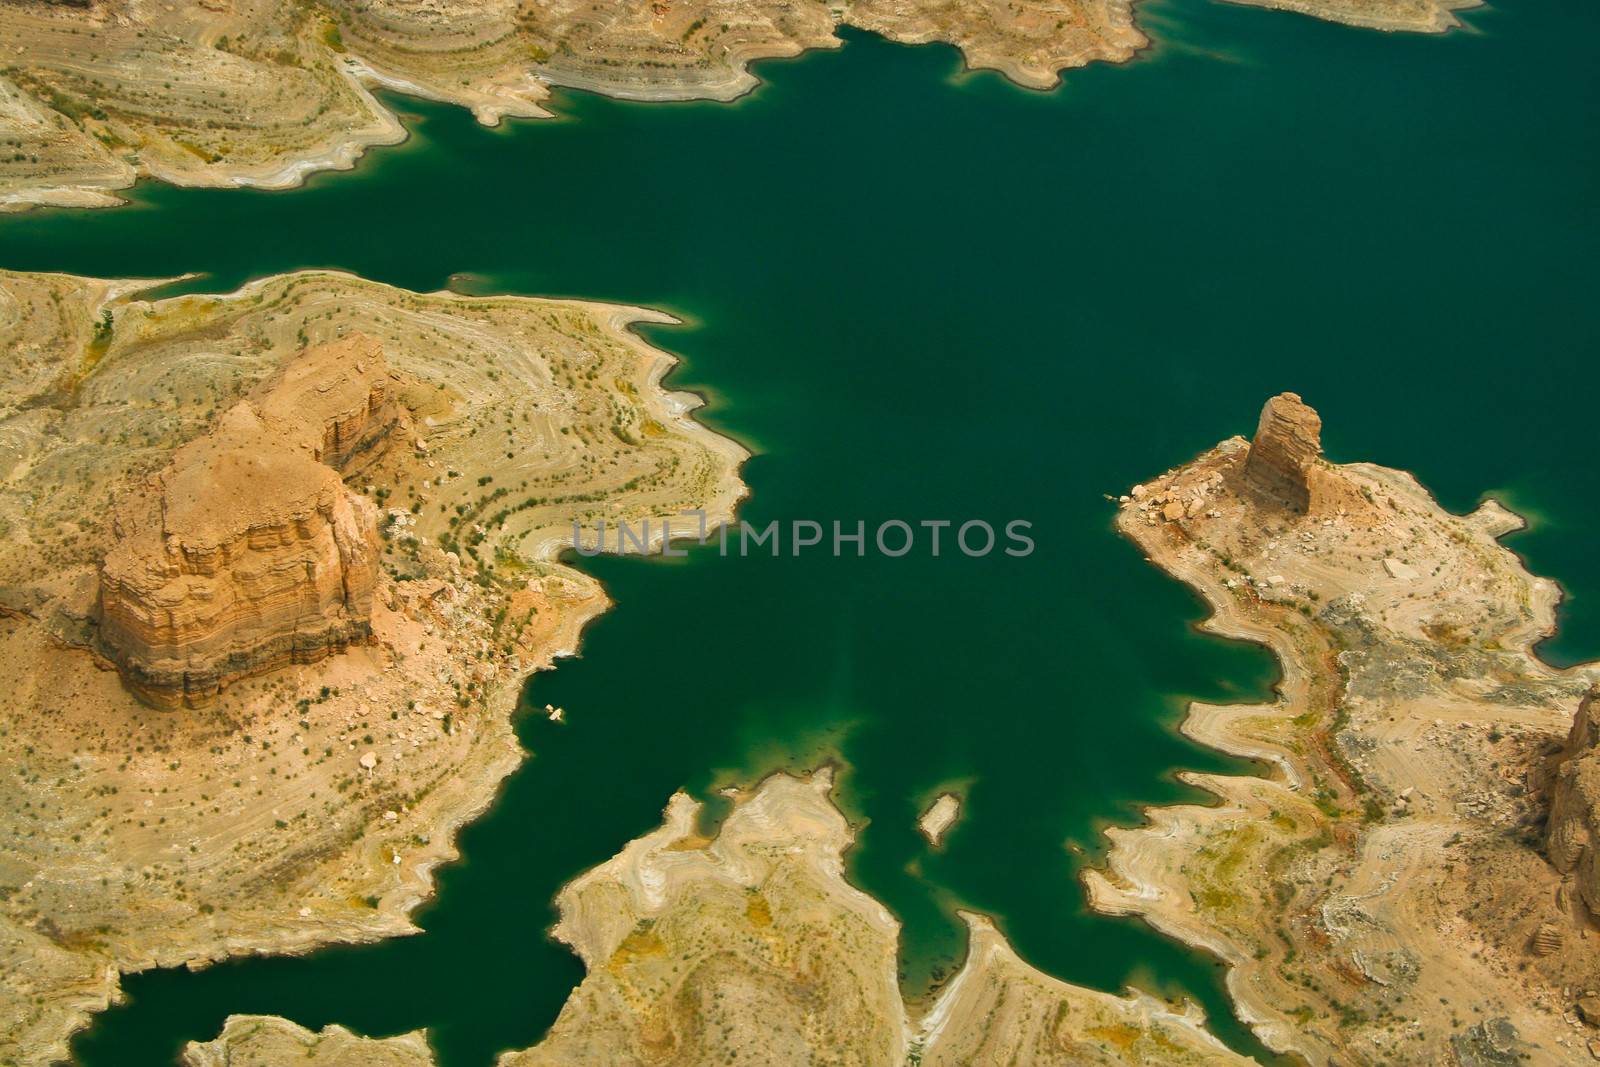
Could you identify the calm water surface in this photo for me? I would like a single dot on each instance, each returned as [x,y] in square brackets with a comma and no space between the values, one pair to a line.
[923,295]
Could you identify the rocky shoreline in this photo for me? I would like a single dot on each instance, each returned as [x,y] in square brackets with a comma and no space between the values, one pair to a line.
[753,948]
[262,93]
[1387,896]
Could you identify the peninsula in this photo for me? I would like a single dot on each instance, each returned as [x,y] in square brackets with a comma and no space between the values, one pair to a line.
[1418,873]
[275,568]
[1414,882]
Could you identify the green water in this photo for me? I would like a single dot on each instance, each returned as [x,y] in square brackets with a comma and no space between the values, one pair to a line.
[923,295]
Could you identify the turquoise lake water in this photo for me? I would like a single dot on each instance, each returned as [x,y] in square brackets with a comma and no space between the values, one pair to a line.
[921,294]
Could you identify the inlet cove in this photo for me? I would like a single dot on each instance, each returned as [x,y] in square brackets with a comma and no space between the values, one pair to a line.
[821,535]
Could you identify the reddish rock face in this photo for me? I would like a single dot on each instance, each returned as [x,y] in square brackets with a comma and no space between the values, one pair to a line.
[343,394]
[248,552]
[1574,836]
[1285,451]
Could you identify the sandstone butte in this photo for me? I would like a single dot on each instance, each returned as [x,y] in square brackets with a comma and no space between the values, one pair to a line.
[325,515]
[1415,880]
[98,93]
[1282,464]
[248,552]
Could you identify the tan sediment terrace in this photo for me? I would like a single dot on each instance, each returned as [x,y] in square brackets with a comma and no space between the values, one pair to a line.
[434,451]
[262,92]
[1385,895]
[753,948]
[268,1041]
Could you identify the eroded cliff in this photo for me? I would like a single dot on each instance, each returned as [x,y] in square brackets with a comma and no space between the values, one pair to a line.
[248,552]
[1284,452]
[1574,834]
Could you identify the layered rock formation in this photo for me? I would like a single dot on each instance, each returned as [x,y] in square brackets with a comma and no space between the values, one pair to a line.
[343,394]
[1574,834]
[248,552]
[1284,452]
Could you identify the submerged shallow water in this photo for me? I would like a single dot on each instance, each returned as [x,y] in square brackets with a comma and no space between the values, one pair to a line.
[926,295]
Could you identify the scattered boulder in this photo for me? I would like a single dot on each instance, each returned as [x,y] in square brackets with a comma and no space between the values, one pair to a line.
[1546,940]
[1402,571]
[1490,1043]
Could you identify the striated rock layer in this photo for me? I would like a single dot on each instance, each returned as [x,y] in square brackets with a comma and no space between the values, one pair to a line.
[1574,833]
[1284,452]
[248,553]
[341,395]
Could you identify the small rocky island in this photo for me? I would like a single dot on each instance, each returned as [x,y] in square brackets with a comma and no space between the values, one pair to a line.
[939,817]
